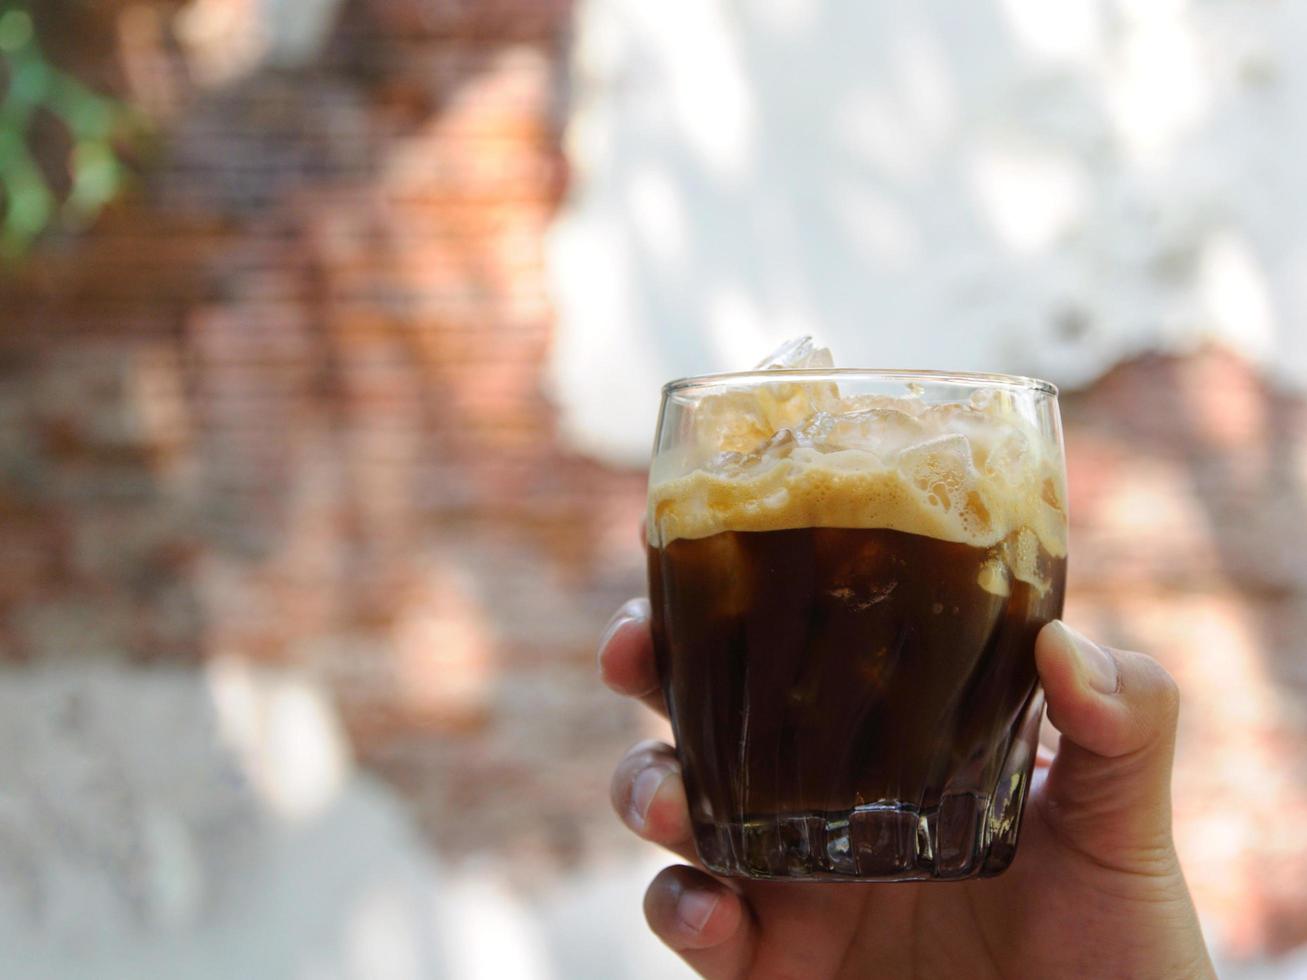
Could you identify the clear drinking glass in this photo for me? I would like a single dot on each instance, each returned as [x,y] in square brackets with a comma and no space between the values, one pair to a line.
[847,570]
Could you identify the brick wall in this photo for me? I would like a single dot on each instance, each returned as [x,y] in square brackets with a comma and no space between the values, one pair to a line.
[1188,485]
[287,402]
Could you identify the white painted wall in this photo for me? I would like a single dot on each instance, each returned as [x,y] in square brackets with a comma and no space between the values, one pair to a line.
[167,822]
[1010,185]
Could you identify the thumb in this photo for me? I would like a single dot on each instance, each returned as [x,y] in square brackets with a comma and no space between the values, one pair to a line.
[1108,791]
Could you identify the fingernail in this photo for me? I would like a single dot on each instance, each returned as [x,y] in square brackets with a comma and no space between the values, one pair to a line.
[629,613]
[643,791]
[1096,664]
[695,908]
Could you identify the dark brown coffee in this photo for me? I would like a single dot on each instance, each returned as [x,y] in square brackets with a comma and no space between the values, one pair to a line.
[852,702]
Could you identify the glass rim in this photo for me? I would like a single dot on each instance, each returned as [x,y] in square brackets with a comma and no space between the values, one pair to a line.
[968,379]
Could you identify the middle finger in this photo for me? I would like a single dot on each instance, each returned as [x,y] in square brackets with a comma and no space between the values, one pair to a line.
[626,657]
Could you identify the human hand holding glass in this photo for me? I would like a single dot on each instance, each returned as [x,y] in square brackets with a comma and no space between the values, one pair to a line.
[855,590]
[1095,889]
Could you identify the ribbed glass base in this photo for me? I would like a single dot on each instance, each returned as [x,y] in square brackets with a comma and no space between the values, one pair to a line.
[966,835]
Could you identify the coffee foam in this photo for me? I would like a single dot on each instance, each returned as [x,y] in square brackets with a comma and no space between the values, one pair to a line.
[789,455]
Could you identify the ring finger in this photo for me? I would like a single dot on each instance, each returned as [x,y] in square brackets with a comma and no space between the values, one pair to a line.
[649,796]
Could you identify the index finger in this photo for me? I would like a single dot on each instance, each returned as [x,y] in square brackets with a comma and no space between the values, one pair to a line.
[626,657]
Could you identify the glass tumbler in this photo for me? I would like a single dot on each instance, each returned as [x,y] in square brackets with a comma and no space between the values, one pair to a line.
[847,571]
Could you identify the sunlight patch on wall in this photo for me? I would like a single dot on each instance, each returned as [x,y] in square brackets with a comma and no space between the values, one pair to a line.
[694,56]
[657,213]
[492,934]
[1030,195]
[285,733]
[383,935]
[226,40]
[901,127]
[786,18]
[1235,295]
[444,661]
[1069,30]
[880,227]
[736,326]
[1155,84]
[1006,186]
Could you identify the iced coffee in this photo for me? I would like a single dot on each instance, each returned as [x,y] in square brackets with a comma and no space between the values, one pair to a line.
[847,572]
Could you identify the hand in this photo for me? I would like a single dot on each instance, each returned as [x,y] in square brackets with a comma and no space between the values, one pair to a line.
[1095,891]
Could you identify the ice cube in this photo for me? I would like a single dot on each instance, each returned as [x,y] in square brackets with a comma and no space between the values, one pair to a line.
[735,464]
[863,403]
[743,421]
[721,574]
[1008,458]
[865,579]
[782,443]
[732,422]
[884,431]
[789,406]
[731,463]
[797,353]
[942,468]
[815,432]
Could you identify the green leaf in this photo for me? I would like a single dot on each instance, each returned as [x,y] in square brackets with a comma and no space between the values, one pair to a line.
[15,30]
[27,204]
[29,82]
[97,177]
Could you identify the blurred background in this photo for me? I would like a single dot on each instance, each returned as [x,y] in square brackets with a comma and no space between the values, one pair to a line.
[330,340]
